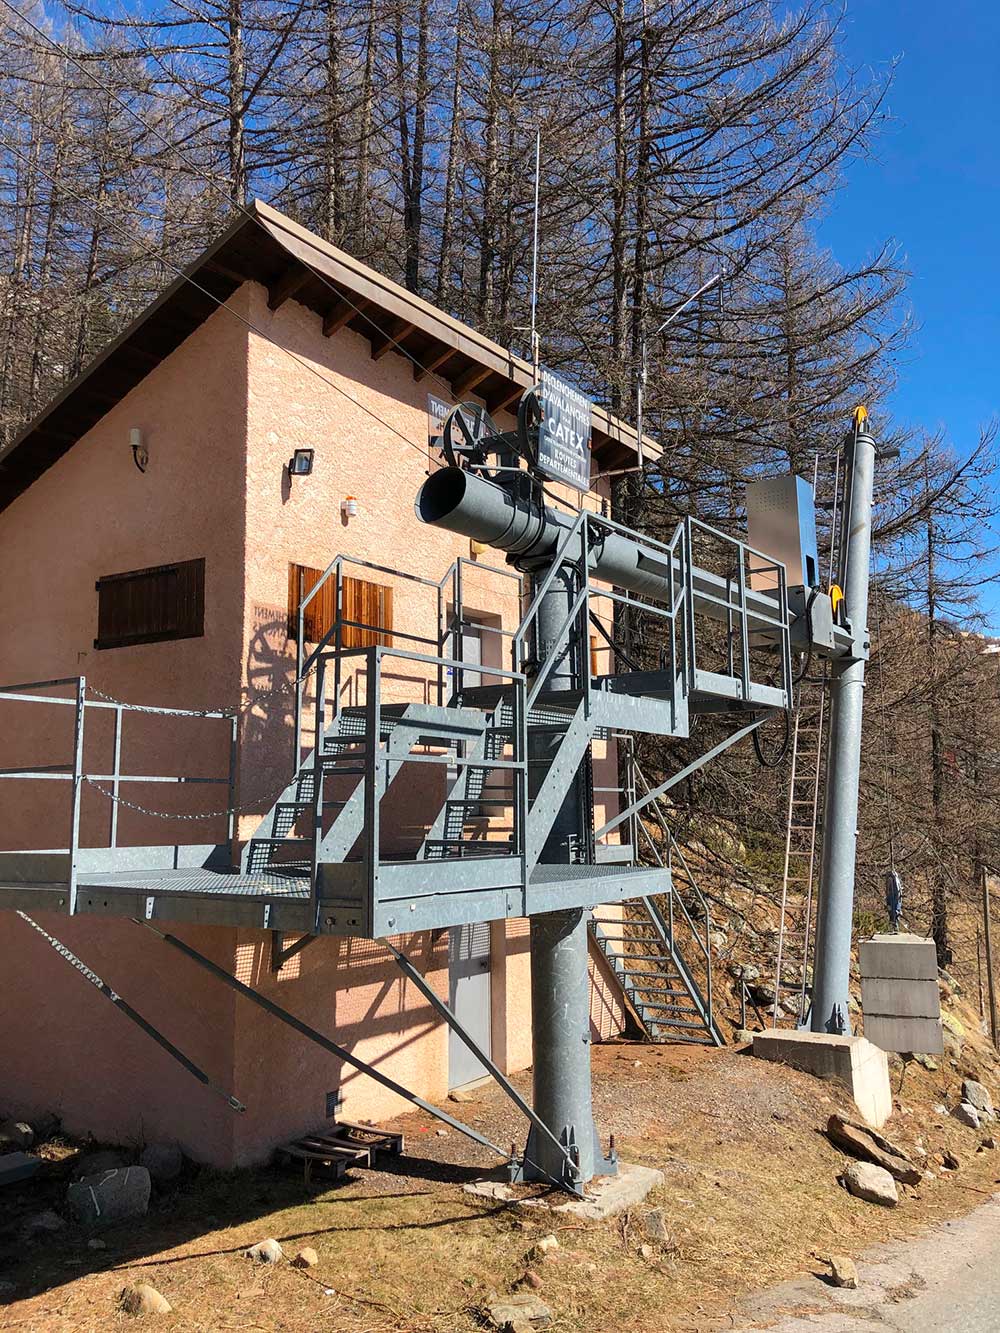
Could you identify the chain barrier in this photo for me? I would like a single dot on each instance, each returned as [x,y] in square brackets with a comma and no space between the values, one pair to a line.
[248,807]
[287,688]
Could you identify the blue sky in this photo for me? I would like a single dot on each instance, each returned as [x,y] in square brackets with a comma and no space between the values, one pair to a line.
[934,187]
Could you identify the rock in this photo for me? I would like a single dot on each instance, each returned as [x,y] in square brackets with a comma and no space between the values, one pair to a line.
[978,1096]
[843,1271]
[489,1189]
[40,1224]
[110,1197]
[866,1143]
[96,1244]
[744,972]
[531,1279]
[761,992]
[928,1062]
[742,1037]
[143,1299]
[546,1245]
[265,1252]
[442,1133]
[93,1163]
[163,1161]
[306,1258]
[646,1251]
[991,1142]
[16,1134]
[872,1183]
[521,1308]
[467,1096]
[953,1025]
[655,1226]
[950,1161]
[952,1045]
[46,1126]
[966,1114]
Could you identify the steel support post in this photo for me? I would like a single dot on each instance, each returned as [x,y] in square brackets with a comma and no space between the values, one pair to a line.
[831,981]
[560,982]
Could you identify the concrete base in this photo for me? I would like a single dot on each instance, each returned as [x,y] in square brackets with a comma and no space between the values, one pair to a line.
[855,1062]
[606,1195]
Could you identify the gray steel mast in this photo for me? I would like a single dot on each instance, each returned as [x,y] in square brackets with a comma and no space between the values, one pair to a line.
[831,981]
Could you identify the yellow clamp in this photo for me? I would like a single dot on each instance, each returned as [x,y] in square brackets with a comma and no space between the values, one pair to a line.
[836,596]
[859,416]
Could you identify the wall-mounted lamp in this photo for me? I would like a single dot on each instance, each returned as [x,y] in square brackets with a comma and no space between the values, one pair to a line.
[301,463]
[140,454]
[349,506]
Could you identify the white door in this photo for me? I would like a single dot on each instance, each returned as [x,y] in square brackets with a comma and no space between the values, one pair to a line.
[469,999]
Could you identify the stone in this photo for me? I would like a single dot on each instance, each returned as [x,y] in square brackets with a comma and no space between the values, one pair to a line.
[16,1134]
[143,1299]
[646,1251]
[306,1258]
[163,1161]
[742,1037]
[991,1142]
[522,1307]
[95,1243]
[927,1061]
[16,1166]
[93,1163]
[531,1279]
[110,1197]
[467,1096]
[843,1272]
[654,1224]
[866,1143]
[744,972]
[950,1161]
[966,1114]
[265,1252]
[872,1183]
[489,1189]
[44,1223]
[546,1245]
[977,1095]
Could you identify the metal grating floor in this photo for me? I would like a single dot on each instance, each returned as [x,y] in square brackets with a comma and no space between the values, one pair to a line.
[209,883]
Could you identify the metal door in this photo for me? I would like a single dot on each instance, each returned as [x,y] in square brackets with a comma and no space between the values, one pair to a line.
[469,999]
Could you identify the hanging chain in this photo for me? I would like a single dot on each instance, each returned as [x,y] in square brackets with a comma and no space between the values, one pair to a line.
[246,808]
[287,688]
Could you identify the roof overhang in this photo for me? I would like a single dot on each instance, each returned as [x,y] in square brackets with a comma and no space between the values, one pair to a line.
[290,262]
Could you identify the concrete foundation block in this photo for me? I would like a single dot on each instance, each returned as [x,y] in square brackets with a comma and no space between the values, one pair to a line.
[856,1063]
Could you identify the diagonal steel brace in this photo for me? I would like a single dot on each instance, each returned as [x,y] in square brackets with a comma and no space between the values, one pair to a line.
[570,1169]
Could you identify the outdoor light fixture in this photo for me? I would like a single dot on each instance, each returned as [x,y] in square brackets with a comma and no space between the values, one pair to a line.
[349,506]
[140,454]
[301,463]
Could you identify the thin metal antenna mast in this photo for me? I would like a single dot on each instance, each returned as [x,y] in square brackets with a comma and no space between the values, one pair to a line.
[535,351]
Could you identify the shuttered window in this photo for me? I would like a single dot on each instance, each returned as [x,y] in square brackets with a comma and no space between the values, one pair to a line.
[150,605]
[368,605]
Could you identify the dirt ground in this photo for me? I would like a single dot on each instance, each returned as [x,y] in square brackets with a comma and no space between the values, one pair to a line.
[750,1197]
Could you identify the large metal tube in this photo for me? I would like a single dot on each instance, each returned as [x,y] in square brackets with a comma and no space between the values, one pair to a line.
[831,982]
[527,529]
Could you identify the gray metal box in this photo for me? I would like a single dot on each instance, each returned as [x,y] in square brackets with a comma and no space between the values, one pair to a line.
[781,523]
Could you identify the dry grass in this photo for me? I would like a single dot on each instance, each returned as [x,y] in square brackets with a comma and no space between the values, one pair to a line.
[750,1196]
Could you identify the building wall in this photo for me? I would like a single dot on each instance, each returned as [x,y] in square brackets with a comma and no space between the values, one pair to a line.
[62,1045]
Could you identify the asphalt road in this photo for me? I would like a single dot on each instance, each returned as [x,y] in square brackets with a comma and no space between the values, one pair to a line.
[947,1281]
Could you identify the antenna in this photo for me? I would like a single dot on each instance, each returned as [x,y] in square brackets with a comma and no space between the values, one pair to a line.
[534,258]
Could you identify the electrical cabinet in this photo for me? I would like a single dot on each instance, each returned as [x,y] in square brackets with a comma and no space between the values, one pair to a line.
[781,521]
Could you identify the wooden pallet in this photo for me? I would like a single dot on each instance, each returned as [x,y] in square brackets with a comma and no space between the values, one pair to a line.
[333,1151]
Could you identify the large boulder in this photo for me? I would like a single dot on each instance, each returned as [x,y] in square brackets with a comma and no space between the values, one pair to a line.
[977,1095]
[143,1299]
[872,1183]
[110,1197]
[868,1144]
[966,1114]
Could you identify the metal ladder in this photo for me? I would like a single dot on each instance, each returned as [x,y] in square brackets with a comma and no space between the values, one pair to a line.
[799,872]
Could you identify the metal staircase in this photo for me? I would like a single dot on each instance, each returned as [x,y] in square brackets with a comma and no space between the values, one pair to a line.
[667,986]
[792,974]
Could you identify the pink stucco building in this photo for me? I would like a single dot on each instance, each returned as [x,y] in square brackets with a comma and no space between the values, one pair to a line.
[167,462]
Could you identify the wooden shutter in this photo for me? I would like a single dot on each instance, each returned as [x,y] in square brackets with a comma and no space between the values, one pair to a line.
[366,604]
[151,605]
